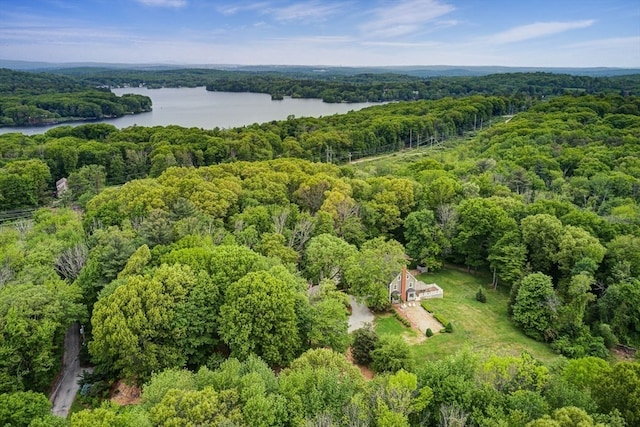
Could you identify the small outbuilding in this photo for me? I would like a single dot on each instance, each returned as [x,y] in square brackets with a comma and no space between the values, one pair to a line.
[61,186]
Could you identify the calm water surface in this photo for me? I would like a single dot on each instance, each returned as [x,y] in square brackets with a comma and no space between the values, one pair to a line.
[196,107]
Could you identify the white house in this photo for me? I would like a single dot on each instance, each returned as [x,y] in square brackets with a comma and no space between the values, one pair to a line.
[405,287]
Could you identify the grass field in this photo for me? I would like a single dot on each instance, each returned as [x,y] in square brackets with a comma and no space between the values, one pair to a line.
[477,326]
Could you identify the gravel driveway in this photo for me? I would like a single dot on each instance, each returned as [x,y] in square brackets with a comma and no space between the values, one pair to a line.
[360,314]
[419,317]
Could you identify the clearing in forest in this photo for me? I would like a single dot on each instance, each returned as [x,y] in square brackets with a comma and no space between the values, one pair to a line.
[476,326]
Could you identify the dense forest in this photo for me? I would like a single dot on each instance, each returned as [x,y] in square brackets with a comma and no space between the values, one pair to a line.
[213,268]
[363,86]
[39,98]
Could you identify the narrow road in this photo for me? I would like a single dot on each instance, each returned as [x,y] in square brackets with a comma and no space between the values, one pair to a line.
[65,391]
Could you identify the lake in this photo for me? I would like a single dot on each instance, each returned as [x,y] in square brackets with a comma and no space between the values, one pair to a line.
[196,107]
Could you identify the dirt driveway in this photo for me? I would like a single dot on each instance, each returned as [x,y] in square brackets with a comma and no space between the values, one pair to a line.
[420,318]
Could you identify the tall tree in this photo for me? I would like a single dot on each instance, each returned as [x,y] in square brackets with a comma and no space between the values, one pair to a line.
[258,317]
[536,306]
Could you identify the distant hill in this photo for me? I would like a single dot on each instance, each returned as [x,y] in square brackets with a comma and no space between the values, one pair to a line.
[417,70]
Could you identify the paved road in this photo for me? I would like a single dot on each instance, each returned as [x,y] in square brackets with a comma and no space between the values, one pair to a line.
[64,394]
[360,315]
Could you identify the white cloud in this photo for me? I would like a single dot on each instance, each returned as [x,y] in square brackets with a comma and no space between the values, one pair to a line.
[308,11]
[535,30]
[232,9]
[164,3]
[406,17]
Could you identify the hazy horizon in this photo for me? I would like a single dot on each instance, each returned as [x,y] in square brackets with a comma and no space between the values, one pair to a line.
[350,33]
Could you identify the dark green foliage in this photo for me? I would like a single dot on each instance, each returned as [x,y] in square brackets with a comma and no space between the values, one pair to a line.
[38,98]
[402,319]
[364,341]
[535,307]
[449,328]
[429,333]
[480,296]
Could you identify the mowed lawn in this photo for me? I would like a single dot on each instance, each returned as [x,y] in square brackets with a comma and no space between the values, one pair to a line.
[477,326]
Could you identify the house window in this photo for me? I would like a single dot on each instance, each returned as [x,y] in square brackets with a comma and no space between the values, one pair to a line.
[395,286]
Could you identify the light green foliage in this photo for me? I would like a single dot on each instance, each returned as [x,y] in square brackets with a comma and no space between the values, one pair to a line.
[583,373]
[481,223]
[327,257]
[566,417]
[160,383]
[32,321]
[391,354]
[507,258]
[187,408]
[136,262]
[273,245]
[320,381]
[23,183]
[134,330]
[620,389]
[535,307]
[87,181]
[330,325]
[21,408]
[624,252]
[541,234]
[373,268]
[424,238]
[576,244]
[258,317]
[576,298]
[399,393]
[110,416]
[508,374]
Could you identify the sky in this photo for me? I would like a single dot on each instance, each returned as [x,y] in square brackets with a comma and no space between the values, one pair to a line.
[523,33]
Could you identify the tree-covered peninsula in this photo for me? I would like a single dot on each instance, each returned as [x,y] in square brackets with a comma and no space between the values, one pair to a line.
[28,99]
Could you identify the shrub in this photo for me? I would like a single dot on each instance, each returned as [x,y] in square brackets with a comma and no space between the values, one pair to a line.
[402,320]
[449,328]
[480,296]
[426,307]
[365,341]
[429,332]
[440,319]
[391,354]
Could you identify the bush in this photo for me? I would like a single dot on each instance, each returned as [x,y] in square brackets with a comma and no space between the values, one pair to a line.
[426,307]
[365,341]
[391,354]
[429,333]
[449,328]
[402,320]
[480,296]
[440,319]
